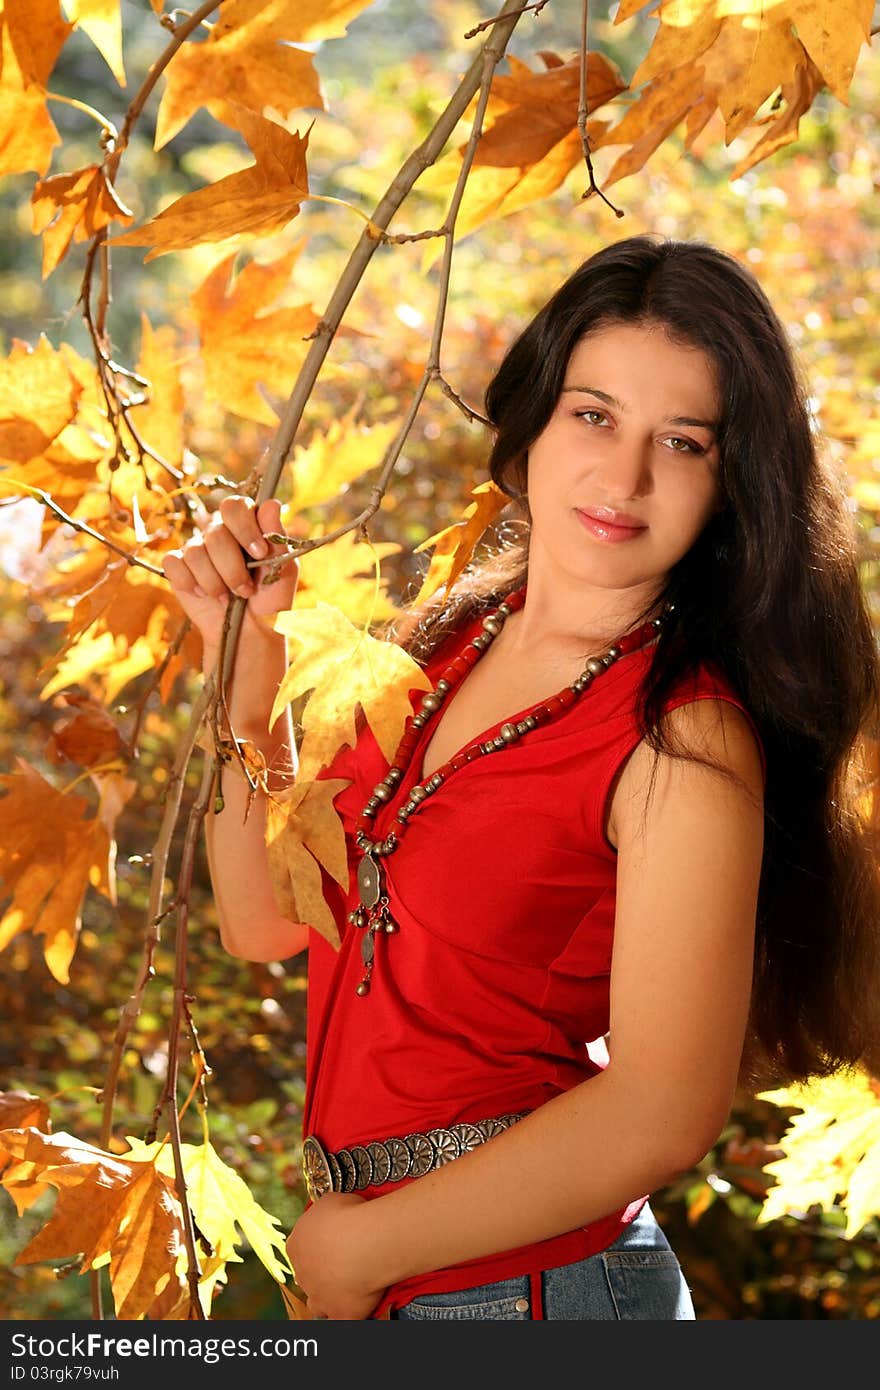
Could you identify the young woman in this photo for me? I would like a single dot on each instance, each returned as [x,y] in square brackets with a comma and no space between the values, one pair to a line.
[626,815]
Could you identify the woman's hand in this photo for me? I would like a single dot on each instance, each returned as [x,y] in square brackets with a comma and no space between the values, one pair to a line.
[331,1258]
[211,567]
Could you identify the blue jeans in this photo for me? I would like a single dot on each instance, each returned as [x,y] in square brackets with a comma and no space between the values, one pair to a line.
[637,1277]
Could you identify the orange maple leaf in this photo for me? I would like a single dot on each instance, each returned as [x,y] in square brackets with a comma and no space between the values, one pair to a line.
[244,344]
[532,141]
[37,33]
[27,131]
[262,198]
[73,207]
[49,855]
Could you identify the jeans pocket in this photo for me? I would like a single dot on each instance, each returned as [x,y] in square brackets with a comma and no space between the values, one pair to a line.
[504,1301]
[647,1284]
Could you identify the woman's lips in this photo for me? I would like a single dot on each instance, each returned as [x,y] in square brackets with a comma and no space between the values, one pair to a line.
[606,530]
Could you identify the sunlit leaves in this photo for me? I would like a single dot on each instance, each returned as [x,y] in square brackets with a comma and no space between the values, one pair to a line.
[709,54]
[531,142]
[252,57]
[344,667]
[832,1149]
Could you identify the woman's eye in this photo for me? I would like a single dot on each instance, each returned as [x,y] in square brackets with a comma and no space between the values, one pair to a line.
[585,415]
[687,446]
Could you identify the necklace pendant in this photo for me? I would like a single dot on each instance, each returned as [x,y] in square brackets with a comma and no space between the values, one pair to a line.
[370,879]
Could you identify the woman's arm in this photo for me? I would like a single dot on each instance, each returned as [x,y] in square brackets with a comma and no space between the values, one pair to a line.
[688,880]
[204,574]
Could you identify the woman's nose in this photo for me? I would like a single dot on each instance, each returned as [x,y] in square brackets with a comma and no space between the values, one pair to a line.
[626,470]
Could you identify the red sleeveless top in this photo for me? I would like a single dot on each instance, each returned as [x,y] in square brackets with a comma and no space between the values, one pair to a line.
[494,994]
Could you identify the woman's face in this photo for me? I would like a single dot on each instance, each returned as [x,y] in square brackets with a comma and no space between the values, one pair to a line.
[633,440]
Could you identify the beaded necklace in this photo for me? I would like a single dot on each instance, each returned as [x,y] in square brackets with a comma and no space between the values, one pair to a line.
[373,912]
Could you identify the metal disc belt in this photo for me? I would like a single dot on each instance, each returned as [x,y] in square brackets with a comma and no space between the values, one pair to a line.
[390,1160]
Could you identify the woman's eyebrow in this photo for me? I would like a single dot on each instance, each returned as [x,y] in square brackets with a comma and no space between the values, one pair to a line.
[671,420]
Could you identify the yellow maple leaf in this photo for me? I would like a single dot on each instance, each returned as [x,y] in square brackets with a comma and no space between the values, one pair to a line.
[102,21]
[454,545]
[225,1210]
[27,131]
[49,855]
[832,1149]
[323,468]
[254,51]
[159,418]
[261,198]
[38,397]
[344,667]
[303,832]
[332,574]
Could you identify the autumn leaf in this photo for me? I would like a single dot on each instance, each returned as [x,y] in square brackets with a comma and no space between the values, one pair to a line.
[49,855]
[704,56]
[37,33]
[87,736]
[342,573]
[262,198]
[27,131]
[38,397]
[159,417]
[106,1205]
[252,51]
[303,832]
[225,1210]
[102,21]
[21,1110]
[532,143]
[344,667]
[454,545]
[246,345]
[74,207]
[323,468]
[832,1149]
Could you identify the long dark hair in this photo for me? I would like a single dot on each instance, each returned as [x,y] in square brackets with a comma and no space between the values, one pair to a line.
[770,592]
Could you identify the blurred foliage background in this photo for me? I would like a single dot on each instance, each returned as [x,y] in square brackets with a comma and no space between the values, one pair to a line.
[807,223]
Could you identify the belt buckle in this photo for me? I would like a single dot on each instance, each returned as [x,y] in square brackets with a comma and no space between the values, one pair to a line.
[316,1169]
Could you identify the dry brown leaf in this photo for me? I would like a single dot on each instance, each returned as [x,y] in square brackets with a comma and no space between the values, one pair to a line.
[262,198]
[87,736]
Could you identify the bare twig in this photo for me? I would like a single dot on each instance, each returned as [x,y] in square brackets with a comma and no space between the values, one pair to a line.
[487,23]
[53,506]
[583,111]
[468,411]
